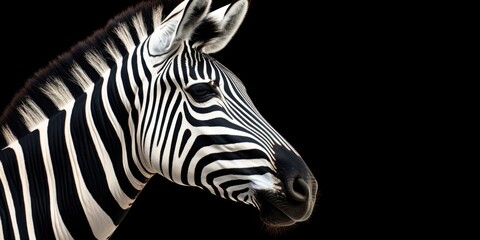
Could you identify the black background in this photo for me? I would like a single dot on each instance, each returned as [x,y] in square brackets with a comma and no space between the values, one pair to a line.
[308,71]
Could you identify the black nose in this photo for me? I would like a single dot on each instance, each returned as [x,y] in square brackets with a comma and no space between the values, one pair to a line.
[298,189]
[298,181]
[296,200]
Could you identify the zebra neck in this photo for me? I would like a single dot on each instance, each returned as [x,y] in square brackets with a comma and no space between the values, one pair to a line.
[78,168]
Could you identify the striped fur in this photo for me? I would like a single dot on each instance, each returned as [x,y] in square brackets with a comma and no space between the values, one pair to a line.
[86,134]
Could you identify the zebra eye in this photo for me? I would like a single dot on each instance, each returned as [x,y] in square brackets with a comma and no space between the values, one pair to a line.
[202,92]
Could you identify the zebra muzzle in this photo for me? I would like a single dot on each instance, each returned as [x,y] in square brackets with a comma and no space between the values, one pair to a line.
[296,200]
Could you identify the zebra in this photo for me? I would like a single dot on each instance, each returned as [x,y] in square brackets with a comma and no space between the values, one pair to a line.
[142,97]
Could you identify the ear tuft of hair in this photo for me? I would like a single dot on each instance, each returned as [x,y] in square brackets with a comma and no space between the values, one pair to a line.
[227,21]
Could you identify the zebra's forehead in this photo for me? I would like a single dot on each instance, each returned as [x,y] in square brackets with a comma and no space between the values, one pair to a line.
[193,66]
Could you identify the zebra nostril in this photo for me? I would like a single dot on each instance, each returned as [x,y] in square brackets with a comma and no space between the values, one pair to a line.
[298,189]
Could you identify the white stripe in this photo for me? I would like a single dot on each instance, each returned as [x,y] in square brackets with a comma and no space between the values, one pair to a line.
[161,135]
[257,182]
[166,138]
[136,136]
[266,129]
[257,128]
[137,184]
[101,224]
[59,228]
[126,102]
[25,188]
[204,151]
[146,113]
[113,185]
[11,207]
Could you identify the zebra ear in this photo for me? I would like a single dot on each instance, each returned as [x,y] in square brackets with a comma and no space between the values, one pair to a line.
[178,25]
[228,19]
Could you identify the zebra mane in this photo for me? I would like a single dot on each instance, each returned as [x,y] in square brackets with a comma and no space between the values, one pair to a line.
[66,77]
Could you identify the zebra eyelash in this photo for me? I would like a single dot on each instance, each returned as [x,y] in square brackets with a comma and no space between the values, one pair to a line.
[208,81]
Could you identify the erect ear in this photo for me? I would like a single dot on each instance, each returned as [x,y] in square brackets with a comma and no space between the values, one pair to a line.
[228,19]
[178,25]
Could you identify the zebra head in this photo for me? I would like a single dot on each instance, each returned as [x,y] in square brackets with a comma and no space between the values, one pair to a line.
[200,128]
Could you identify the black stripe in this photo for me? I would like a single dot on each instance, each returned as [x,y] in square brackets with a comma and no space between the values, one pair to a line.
[235,171]
[186,135]
[245,114]
[7,227]
[238,192]
[181,73]
[168,125]
[90,165]
[209,109]
[108,134]
[68,200]
[156,98]
[235,182]
[125,80]
[174,142]
[133,34]
[160,102]
[210,122]
[122,113]
[38,185]
[10,166]
[199,65]
[145,122]
[134,114]
[245,155]
[207,140]
[210,69]
[163,121]
[145,68]
[135,73]
[251,122]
